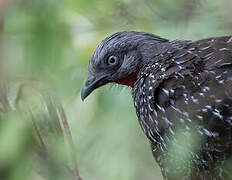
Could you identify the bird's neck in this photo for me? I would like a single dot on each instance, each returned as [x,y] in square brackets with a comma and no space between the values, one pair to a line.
[129,80]
[147,50]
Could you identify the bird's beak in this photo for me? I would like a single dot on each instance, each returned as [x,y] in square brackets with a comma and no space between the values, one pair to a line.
[91,84]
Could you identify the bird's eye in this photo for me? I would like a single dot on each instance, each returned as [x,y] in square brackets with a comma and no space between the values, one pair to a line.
[112,60]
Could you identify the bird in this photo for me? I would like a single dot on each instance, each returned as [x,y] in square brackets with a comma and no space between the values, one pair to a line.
[182,93]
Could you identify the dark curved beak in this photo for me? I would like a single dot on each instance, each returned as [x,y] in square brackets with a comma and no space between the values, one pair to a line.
[91,84]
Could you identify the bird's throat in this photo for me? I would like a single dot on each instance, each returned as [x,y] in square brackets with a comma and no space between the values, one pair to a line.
[129,80]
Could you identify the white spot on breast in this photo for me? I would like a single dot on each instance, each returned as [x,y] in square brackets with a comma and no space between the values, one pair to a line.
[224,49]
[186,114]
[165,91]
[167,121]
[191,49]
[218,100]
[217,114]
[219,76]
[161,108]
[163,69]
[163,76]
[222,81]
[204,110]
[150,118]
[180,67]
[176,109]
[155,113]
[194,100]
[230,40]
[187,128]
[208,133]
[135,103]
[199,117]
[207,88]
[201,94]
[207,55]
[171,131]
[181,120]
[204,48]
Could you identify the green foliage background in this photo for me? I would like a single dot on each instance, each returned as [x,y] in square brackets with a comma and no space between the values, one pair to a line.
[49,42]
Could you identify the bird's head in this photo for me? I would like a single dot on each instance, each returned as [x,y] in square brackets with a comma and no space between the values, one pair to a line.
[118,58]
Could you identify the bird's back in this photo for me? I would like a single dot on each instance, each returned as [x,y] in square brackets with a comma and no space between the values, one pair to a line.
[183,99]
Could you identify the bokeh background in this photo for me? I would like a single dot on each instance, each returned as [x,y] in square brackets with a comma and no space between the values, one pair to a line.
[45,46]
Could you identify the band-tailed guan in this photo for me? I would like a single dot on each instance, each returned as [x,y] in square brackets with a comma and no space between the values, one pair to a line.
[182,93]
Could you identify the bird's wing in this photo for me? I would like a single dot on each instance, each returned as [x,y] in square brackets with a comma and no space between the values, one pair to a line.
[192,83]
[189,86]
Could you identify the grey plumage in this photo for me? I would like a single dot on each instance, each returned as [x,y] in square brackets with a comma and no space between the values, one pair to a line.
[180,89]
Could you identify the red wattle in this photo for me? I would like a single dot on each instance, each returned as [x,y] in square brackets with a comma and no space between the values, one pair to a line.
[129,80]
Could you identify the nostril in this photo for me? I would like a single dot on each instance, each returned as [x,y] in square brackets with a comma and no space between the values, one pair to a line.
[89,80]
